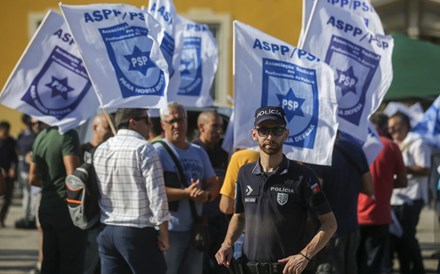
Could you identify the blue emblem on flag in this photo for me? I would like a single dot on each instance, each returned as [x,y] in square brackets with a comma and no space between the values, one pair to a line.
[295,89]
[139,60]
[191,67]
[346,81]
[352,82]
[290,101]
[129,49]
[60,85]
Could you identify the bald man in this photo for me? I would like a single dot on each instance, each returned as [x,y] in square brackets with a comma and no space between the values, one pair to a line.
[101,132]
[210,126]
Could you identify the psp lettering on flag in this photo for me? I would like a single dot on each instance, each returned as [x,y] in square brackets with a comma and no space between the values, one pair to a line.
[269,71]
[198,65]
[348,36]
[120,46]
[50,81]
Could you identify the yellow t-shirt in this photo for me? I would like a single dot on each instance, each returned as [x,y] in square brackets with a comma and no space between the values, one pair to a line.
[238,159]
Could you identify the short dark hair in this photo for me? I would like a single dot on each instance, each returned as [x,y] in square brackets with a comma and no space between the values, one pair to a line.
[404,119]
[5,125]
[156,127]
[123,115]
[26,119]
[380,121]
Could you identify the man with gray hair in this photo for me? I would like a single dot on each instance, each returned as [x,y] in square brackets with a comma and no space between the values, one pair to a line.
[133,199]
[200,187]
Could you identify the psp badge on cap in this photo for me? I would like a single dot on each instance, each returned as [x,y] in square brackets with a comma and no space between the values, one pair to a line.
[270,113]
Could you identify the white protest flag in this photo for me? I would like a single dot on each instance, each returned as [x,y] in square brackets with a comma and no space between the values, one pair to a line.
[360,58]
[362,8]
[371,146]
[120,48]
[429,126]
[269,71]
[49,81]
[198,65]
[165,13]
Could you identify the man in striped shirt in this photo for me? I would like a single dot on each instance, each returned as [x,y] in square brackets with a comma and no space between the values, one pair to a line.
[133,199]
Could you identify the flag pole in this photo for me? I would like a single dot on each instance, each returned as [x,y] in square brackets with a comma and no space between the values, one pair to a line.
[306,31]
[109,120]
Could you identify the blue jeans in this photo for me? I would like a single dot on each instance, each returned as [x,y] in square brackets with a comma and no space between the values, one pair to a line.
[129,250]
[238,247]
[182,257]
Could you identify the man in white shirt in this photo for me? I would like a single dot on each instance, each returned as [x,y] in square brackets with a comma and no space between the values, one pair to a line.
[133,199]
[408,202]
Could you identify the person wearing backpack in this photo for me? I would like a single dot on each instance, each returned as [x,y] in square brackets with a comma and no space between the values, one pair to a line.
[54,156]
[132,199]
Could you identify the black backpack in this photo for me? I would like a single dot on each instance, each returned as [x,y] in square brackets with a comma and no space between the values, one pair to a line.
[83,196]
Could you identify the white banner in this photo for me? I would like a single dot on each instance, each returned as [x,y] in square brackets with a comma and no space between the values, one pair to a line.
[198,65]
[269,71]
[362,8]
[429,126]
[49,81]
[165,13]
[360,58]
[120,46]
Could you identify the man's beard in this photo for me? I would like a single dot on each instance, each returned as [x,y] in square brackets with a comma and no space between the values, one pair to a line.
[274,149]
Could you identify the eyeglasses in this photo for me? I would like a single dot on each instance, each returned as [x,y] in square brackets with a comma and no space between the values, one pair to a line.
[175,120]
[265,131]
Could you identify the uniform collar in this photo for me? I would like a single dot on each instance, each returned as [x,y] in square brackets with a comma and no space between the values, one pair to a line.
[282,168]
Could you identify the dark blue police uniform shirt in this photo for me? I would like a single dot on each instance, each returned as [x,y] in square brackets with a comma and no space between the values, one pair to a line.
[276,208]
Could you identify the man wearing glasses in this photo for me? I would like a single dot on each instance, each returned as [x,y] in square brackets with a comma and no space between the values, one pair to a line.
[273,197]
[200,186]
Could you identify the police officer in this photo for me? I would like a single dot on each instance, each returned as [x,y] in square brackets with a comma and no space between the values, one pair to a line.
[273,198]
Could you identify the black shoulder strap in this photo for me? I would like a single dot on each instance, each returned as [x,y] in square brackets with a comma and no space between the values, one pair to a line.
[181,175]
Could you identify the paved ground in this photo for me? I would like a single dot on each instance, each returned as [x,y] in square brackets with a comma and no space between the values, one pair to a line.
[18,247]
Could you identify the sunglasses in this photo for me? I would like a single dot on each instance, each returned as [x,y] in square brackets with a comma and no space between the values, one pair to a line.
[275,131]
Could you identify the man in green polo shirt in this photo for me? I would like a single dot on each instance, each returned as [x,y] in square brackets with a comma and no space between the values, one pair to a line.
[54,156]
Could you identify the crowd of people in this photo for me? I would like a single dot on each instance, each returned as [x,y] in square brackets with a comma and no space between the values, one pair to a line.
[263,213]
